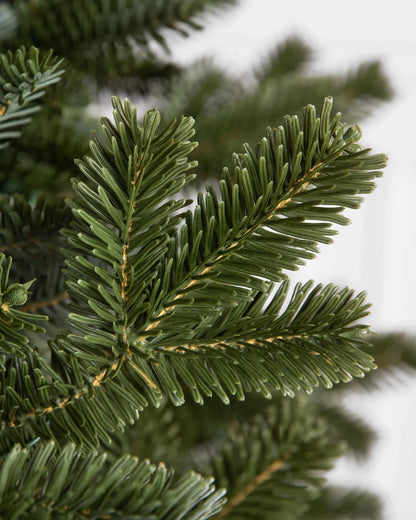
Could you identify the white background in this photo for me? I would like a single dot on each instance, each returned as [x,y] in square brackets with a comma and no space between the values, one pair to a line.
[377,252]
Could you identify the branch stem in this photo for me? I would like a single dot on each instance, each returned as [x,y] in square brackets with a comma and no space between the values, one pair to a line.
[34,306]
[251,487]
[220,253]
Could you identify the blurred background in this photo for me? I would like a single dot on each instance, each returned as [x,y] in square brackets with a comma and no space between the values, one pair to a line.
[377,251]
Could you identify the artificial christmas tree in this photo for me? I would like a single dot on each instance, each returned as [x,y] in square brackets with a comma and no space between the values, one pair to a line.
[151,304]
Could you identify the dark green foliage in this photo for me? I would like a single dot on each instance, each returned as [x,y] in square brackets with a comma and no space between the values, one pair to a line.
[43,483]
[84,32]
[23,76]
[367,82]
[270,463]
[155,304]
[8,21]
[11,319]
[163,443]
[46,150]
[290,57]
[30,233]
[105,45]
[341,504]
[228,110]
[274,465]
[169,304]
[243,446]
[354,431]
[118,54]
[109,42]
[393,351]
[395,356]
[231,342]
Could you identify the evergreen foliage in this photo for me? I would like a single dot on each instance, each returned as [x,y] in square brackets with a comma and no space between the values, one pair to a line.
[22,77]
[230,110]
[151,288]
[42,483]
[129,54]
[273,465]
[125,306]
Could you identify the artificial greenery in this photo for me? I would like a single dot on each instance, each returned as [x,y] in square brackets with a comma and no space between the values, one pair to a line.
[167,302]
[125,306]
[22,77]
[121,46]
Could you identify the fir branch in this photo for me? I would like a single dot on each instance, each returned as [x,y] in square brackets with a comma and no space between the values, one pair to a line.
[224,120]
[314,341]
[119,279]
[357,435]
[250,488]
[157,436]
[30,227]
[30,234]
[279,457]
[87,32]
[289,57]
[368,81]
[340,504]
[168,303]
[285,195]
[46,150]
[123,214]
[23,78]
[45,483]
[230,368]
[395,356]
[11,319]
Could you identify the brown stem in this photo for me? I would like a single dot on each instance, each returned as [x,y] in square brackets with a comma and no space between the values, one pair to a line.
[297,187]
[250,487]
[19,245]
[34,306]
